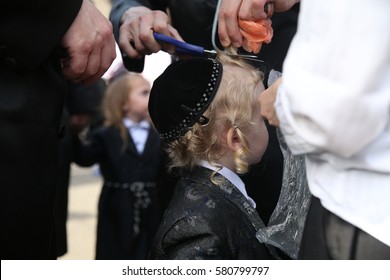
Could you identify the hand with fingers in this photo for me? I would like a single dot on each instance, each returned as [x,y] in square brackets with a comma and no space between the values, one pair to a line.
[267,100]
[231,12]
[136,32]
[90,45]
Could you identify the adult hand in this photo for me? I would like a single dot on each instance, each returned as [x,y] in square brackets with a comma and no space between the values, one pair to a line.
[78,122]
[228,29]
[136,32]
[232,10]
[90,44]
[267,100]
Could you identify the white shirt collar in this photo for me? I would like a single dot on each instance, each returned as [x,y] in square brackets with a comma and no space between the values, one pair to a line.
[232,177]
[138,132]
[128,123]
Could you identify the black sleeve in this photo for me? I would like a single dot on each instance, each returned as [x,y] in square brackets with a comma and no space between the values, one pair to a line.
[87,153]
[119,7]
[85,98]
[191,238]
[30,31]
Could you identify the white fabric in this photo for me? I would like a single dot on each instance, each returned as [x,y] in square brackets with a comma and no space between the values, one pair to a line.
[139,133]
[334,106]
[232,177]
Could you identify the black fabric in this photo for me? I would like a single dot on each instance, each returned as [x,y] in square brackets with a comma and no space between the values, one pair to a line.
[264,179]
[182,93]
[32,92]
[80,99]
[313,245]
[61,203]
[205,221]
[116,238]
[85,99]
[30,111]
[327,236]
[30,31]
[284,26]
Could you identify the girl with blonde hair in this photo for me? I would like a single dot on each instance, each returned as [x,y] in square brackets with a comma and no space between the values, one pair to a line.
[127,148]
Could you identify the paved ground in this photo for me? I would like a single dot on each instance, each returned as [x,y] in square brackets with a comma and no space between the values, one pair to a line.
[82,212]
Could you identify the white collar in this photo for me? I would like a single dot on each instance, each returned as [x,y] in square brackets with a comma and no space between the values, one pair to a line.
[129,123]
[231,176]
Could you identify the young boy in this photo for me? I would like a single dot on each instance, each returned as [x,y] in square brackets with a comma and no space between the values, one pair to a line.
[208,116]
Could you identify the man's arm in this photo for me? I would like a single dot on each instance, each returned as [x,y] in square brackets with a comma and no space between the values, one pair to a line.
[31,30]
[90,45]
[335,92]
[134,23]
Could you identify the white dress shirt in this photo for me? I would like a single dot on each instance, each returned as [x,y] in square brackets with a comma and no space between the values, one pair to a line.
[232,177]
[334,106]
[139,133]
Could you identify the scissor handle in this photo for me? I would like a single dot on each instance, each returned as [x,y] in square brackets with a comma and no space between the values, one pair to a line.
[181,47]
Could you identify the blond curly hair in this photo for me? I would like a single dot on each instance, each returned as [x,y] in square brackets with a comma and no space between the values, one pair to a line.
[233,106]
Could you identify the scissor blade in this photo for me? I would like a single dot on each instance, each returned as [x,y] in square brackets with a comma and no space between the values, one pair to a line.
[181,47]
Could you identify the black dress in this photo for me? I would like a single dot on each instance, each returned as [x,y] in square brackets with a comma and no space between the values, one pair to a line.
[128,211]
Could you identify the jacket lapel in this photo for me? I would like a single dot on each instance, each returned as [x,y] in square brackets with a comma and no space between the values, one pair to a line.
[152,141]
[231,193]
[131,145]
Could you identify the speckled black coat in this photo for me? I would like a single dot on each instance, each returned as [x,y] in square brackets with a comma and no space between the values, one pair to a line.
[205,221]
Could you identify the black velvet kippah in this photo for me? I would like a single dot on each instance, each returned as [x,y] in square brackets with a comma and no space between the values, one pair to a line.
[182,93]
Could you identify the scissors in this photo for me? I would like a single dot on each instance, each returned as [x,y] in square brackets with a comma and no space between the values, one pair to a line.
[183,47]
[186,48]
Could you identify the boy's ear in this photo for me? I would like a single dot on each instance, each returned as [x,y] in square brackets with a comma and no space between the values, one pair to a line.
[232,139]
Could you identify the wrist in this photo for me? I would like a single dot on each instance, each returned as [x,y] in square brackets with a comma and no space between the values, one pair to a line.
[134,12]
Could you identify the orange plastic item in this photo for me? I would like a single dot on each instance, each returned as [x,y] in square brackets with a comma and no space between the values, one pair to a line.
[255,33]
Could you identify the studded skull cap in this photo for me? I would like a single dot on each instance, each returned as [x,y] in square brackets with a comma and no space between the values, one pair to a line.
[181,94]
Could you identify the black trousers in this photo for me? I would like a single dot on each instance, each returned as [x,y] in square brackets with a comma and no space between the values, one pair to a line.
[30,110]
[328,237]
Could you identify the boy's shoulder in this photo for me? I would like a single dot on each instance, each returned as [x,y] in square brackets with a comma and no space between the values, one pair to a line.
[197,194]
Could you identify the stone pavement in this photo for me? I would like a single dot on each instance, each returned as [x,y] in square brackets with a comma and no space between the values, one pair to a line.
[84,192]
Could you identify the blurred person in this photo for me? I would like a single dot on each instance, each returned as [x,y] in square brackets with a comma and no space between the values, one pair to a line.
[192,21]
[82,110]
[127,150]
[41,44]
[332,105]
[207,113]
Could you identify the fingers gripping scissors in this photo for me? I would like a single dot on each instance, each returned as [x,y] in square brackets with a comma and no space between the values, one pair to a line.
[183,47]
[186,48]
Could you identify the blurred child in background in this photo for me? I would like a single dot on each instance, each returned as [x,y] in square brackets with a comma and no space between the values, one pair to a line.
[127,148]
